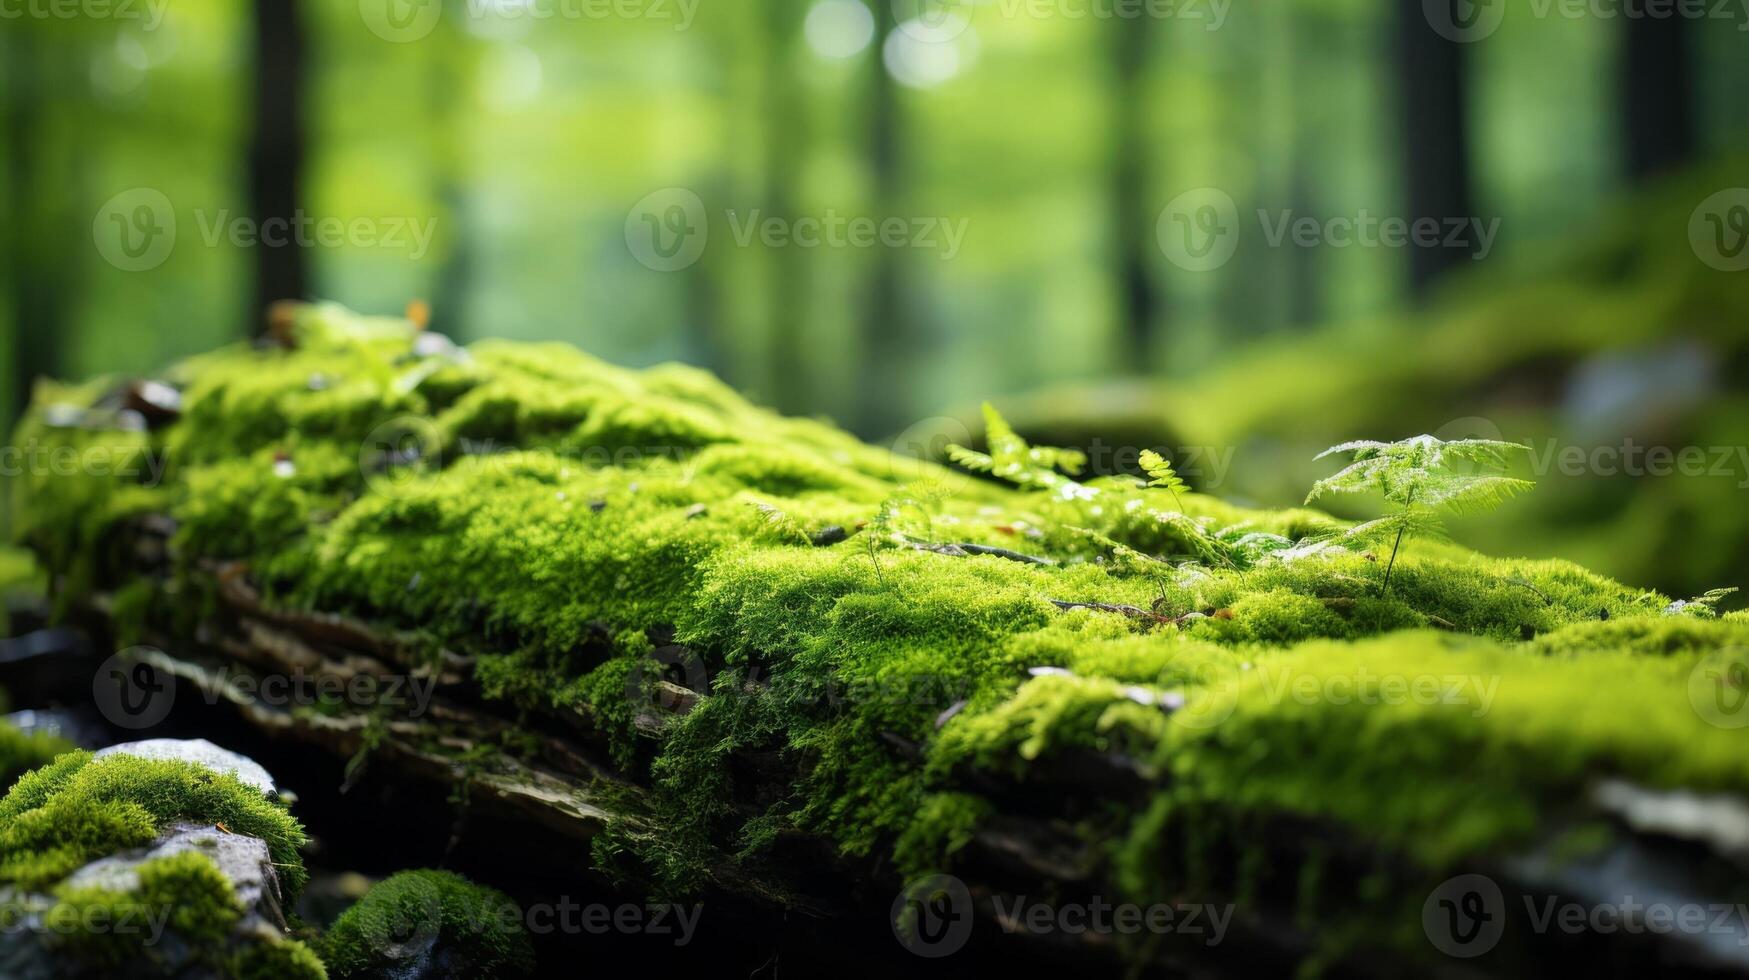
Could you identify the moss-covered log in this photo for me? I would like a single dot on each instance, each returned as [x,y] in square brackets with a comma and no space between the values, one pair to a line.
[706,640]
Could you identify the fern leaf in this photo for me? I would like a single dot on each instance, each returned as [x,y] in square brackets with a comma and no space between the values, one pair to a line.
[1161,473]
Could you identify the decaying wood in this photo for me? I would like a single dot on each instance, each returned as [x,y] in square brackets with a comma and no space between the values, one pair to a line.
[567,784]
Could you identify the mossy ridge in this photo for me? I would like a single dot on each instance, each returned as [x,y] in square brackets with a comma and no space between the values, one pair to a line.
[21,752]
[188,897]
[77,809]
[476,930]
[513,534]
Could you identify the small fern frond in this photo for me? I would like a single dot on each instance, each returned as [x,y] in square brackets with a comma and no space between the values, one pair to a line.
[1473,495]
[970,459]
[1162,475]
[780,524]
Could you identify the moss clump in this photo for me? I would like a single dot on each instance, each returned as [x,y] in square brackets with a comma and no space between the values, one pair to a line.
[879,623]
[287,959]
[184,895]
[21,752]
[447,924]
[78,809]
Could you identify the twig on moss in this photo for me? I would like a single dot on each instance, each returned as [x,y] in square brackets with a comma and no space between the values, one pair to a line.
[984,549]
[965,550]
[1134,612]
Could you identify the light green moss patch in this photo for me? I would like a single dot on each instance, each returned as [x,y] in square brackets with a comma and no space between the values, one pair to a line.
[876,622]
[182,898]
[78,809]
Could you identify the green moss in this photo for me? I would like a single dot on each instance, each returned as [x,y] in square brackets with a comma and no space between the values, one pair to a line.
[477,930]
[287,959]
[20,753]
[185,896]
[566,511]
[78,809]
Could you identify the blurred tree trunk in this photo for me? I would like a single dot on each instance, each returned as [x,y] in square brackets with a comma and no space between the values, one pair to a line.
[887,340]
[1657,91]
[37,269]
[1131,43]
[1434,79]
[453,77]
[785,143]
[276,150]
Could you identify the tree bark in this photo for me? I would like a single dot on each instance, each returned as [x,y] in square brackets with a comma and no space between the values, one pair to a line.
[1657,91]
[887,337]
[1434,80]
[276,151]
[1131,43]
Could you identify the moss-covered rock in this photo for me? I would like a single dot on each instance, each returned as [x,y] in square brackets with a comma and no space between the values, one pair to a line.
[896,632]
[435,925]
[130,867]
[78,809]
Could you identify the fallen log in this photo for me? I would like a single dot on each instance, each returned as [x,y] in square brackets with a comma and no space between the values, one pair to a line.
[673,659]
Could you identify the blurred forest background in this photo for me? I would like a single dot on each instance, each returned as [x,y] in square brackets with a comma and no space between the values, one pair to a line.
[528,136]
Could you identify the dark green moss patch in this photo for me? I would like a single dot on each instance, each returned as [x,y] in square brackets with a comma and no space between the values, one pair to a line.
[447,925]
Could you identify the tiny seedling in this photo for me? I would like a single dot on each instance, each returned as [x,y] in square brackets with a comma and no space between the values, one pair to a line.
[1421,476]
